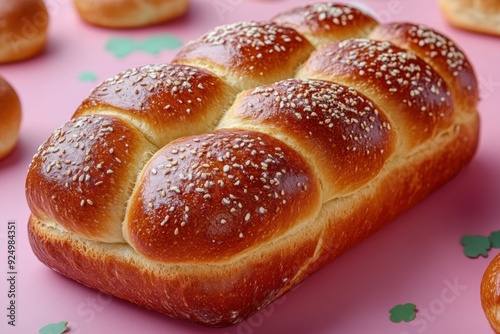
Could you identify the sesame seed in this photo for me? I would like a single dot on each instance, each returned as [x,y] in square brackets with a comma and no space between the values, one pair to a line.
[165,220]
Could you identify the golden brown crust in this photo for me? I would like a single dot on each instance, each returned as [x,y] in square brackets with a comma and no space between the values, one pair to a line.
[130,13]
[217,295]
[248,54]
[249,282]
[444,56]
[482,16]
[23,32]
[340,131]
[183,99]
[10,118]
[83,174]
[411,93]
[210,197]
[327,22]
[190,264]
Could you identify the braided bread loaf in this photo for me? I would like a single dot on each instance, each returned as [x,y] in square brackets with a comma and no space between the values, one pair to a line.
[207,188]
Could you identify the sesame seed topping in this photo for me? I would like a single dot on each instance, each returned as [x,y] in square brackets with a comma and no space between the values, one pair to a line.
[165,220]
[209,197]
[76,170]
[400,72]
[436,44]
[327,105]
[330,14]
[263,38]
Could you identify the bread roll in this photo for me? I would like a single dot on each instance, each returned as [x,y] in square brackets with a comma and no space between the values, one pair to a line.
[10,118]
[490,297]
[319,149]
[23,29]
[129,13]
[481,16]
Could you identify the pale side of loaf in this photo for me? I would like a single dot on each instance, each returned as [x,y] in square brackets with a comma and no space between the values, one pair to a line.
[207,195]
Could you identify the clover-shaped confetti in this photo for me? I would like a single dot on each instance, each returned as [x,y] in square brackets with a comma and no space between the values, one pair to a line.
[59,328]
[155,44]
[403,312]
[123,46]
[475,245]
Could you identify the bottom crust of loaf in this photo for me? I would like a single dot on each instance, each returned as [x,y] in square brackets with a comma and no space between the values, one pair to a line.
[221,294]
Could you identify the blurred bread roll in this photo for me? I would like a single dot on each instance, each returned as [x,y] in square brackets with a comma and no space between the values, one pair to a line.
[481,16]
[129,13]
[23,29]
[10,118]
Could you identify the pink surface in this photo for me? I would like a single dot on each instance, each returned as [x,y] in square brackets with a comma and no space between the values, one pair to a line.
[416,259]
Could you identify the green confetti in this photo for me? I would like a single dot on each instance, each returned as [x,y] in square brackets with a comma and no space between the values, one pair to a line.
[475,245]
[124,46]
[403,312]
[157,43]
[121,46]
[495,239]
[87,76]
[59,328]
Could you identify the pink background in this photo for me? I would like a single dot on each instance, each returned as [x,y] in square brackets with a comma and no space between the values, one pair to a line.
[415,259]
